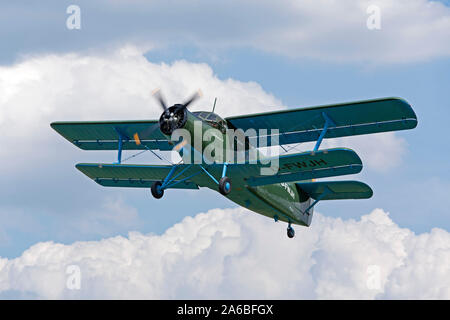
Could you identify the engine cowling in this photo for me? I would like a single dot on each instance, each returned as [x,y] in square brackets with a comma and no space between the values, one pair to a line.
[173,118]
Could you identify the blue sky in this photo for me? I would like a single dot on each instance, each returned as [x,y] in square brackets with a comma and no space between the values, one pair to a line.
[304,55]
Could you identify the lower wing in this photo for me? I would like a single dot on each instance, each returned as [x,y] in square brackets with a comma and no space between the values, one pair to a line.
[291,167]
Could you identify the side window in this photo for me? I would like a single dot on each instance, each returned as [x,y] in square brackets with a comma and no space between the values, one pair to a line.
[213,124]
[223,126]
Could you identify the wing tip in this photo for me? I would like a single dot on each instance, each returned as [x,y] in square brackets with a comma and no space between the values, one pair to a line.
[54,125]
[83,166]
[407,106]
[368,192]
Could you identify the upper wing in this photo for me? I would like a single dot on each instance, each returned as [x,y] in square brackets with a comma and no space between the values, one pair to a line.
[348,119]
[105,135]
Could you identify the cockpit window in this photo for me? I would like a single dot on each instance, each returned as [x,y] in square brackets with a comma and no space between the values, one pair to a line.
[204,115]
[212,118]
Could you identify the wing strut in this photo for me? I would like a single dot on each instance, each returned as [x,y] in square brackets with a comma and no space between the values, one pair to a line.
[324,193]
[328,122]
[169,181]
[122,137]
[224,172]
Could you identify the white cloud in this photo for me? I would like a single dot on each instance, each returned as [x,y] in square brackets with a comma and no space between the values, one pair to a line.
[234,253]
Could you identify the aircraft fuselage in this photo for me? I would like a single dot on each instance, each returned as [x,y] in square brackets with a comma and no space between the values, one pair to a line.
[282,201]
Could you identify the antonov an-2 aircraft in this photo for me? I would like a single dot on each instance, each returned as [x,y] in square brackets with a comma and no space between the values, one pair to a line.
[289,194]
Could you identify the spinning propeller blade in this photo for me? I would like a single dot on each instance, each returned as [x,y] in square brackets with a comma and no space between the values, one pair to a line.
[169,116]
[158,96]
[194,97]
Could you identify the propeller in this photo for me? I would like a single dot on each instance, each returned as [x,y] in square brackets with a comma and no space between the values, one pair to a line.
[194,97]
[172,118]
[158,96]
[180,106]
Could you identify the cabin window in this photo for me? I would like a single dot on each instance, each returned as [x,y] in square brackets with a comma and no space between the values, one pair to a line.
[213,119]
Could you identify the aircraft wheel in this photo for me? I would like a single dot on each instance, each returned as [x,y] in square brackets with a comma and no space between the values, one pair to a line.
[157,192]
[225,185]
[290,232]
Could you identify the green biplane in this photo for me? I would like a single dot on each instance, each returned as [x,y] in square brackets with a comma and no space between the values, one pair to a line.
[289,193]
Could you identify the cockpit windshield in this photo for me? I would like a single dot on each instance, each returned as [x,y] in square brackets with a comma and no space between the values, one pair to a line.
[212,118]
[217,122]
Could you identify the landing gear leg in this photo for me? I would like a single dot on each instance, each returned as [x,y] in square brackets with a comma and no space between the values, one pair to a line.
[290,231]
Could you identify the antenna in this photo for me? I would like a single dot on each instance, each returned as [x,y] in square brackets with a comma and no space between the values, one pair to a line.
[214,106]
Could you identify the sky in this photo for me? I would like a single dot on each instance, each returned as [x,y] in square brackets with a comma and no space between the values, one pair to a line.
[254,56]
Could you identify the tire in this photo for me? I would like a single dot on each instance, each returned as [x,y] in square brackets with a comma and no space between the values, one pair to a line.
[157,192]
[225,186]
[290,232]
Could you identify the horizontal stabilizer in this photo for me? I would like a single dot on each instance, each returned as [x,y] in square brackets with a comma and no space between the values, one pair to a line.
[335,190]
